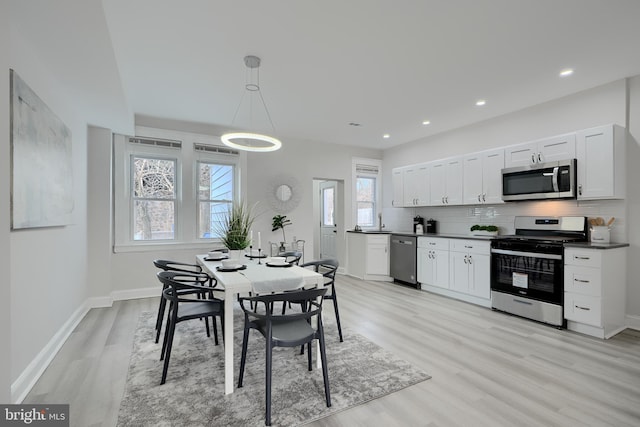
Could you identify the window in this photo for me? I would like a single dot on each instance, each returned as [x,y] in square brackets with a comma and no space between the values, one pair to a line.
[366,190]
[172,190]
[215,196]
[366,201]
[154,198]
[328,198]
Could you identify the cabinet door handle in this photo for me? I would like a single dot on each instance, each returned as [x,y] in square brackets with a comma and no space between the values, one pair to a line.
[484,197]
[583,308]
[581,281]
[533,158]
[466,259]
[580,189]
[540,157]
[446,199]
[470,259]
[478,197]
[581,257]
[468,247]
[443,200]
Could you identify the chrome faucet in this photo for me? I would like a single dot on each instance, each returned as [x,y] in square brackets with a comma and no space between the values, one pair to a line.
[380,224]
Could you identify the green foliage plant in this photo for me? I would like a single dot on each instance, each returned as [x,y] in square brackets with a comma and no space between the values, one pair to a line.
[280,222]
[235,226]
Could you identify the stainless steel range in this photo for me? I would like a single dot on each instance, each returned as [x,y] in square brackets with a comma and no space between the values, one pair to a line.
[527,269]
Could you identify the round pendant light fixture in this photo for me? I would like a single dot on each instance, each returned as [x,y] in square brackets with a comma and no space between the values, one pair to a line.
[249,141]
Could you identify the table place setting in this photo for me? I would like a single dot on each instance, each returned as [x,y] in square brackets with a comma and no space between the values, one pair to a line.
[216,256]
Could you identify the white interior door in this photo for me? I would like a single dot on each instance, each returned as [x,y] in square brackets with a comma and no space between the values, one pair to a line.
[328,226]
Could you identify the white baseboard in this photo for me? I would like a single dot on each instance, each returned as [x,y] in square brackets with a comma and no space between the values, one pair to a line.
[99,302]
[633,322]
[28,378]
[153,291]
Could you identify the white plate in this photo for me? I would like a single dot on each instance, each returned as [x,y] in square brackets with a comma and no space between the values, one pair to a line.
[217,257]
[278,263]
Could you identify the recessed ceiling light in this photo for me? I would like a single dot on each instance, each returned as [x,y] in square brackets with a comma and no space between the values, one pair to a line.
[386,136]
[426,122]
[566,72]
[480,102]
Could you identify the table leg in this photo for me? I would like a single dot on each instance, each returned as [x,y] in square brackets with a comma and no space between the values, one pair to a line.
[228,343]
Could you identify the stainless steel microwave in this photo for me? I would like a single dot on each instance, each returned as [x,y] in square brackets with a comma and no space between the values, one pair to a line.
[553,180]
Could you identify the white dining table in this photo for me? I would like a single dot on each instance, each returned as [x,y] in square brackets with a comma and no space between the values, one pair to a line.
[244,281]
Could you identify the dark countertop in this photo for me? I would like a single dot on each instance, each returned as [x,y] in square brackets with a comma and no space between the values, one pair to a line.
[411,234]
[592,245]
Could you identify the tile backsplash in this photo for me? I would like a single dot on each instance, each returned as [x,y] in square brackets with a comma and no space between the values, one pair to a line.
[459,219]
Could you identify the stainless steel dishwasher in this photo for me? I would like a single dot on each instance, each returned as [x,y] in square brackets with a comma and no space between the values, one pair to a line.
[403,258]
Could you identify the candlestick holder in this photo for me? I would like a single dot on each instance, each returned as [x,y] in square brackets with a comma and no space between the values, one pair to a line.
[259,255]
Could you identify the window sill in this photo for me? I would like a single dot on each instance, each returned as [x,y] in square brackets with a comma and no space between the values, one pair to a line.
[156,246]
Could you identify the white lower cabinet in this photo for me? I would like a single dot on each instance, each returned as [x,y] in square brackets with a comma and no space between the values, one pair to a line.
[457,268]
[595,290]
[433,262]
[470,268]
[368,256]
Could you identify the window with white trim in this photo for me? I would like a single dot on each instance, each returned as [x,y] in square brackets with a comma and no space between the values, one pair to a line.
[153,187]
[366,191]
[171,192]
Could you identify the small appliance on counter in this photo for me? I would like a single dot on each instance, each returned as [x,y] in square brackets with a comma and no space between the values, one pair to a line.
[418,221]
[431,226]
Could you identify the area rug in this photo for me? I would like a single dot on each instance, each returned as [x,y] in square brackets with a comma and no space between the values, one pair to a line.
[193,395]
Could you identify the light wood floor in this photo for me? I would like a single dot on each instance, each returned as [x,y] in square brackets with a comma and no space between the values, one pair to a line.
[488,368]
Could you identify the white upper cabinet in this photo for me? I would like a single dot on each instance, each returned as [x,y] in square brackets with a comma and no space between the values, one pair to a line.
[445,182]
[601,163]
[398,187]
[561,147]
[482,174]
[416,185]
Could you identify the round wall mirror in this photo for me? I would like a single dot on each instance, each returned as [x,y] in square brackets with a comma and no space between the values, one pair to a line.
[284,193]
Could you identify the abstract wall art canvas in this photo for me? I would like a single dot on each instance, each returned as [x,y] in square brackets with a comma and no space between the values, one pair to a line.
[41,162]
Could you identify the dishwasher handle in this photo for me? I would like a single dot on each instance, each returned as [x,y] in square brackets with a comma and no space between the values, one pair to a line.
[402,242]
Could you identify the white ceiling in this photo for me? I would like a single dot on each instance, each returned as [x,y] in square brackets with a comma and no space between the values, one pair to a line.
[387,65]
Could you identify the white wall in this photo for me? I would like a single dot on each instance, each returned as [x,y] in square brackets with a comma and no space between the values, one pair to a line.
[602,105]
[99,209]
[5,255]
[305,161]
[48,275]
[633,201]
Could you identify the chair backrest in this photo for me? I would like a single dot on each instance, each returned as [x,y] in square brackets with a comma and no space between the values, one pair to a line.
[175,281]
[310,298]
[326,267]
[292,257]
[168,265]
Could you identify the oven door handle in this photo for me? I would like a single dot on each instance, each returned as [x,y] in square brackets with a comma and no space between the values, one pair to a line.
[527,254]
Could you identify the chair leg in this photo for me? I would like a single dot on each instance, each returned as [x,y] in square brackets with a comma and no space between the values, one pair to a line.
[215,329]
[161,310]
[325,373]
[309,356]
[206,326]
[172,327]
[335,308]
[268,382]
[166,332]
[243,358]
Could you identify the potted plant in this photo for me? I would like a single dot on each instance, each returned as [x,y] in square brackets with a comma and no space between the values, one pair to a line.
[484,230]
[233,228]
[280,222]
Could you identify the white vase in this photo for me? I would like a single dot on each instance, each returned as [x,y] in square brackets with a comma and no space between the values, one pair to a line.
[236,254]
